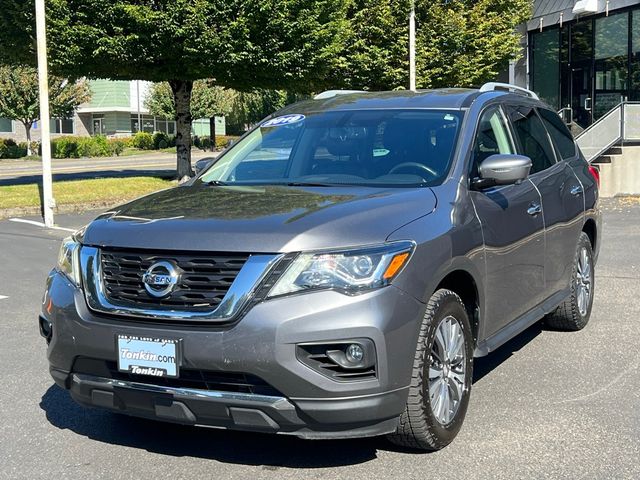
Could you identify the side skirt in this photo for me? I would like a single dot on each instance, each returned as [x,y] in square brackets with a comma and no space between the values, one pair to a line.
[520,324]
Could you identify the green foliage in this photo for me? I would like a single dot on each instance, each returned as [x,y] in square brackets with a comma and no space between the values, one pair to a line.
[117,145]
[251,107]
[207,100]
[69,146]
[65,147]
[19,98]
[160,101]
[97,146]
[9,149]
[222,142]
[240,43]
[458,43]
[77,147]
[160,141]
[142,140]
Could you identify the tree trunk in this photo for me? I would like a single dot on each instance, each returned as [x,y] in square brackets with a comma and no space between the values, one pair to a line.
[27,129]
[182,98]
[212,133]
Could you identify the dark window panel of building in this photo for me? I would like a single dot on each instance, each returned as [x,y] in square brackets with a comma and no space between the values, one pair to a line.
[611,62]
[546,72]
[6,126]
[635,56]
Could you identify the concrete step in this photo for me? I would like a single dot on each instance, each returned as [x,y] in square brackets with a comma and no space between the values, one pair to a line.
[605,159]
[615,150]
[620,174]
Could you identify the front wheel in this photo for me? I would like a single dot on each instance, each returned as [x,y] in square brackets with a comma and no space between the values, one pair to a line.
[441,377]
[574,313]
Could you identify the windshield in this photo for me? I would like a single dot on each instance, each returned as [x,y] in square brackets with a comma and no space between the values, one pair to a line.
[364,147]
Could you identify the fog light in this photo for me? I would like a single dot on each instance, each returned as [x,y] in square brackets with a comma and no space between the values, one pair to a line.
[355,353]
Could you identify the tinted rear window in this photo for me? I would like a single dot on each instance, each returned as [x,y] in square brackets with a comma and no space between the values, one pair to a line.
[534,141]
[559,132]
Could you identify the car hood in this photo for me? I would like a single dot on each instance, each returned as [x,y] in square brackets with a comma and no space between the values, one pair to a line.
[259,219]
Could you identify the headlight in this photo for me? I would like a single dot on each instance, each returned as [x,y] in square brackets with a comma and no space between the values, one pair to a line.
[68,259]
[350,271]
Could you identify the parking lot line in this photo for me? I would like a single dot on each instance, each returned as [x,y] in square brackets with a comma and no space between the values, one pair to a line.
[2,297]
[39,224]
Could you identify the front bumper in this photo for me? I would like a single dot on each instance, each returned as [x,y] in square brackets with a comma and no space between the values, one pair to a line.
[263,343]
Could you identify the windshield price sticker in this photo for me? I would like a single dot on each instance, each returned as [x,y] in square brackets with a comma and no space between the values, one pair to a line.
[283,120]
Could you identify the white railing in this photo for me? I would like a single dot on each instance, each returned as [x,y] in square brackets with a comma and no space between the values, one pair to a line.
[621,123]
[601,135]
[631,128]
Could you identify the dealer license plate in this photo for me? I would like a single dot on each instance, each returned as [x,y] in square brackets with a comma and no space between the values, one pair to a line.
[156,357]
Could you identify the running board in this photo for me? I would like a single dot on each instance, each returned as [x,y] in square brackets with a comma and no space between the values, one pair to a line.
[519,325]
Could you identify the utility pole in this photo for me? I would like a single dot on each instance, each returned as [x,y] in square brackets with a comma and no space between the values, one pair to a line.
[412,47]
[139,113]
[48,202]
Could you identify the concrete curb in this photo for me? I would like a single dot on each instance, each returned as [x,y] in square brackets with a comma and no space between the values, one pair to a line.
[70,208]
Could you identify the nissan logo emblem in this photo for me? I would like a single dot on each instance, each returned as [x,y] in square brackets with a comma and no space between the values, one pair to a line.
[160,279]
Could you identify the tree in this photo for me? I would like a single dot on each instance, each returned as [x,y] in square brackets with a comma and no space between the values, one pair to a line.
[207,101]
[211,101]
[19,99]
[459,43]
[242,44]
[251,107]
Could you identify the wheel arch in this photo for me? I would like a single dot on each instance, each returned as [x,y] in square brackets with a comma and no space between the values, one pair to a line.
[462,282]
[591,229]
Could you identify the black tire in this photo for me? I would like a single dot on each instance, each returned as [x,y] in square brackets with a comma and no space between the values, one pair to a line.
[418,426]
[568,316]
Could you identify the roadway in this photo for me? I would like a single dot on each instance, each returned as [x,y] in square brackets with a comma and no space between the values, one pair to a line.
[14,172]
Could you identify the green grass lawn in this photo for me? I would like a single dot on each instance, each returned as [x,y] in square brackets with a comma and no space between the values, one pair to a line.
[71,192]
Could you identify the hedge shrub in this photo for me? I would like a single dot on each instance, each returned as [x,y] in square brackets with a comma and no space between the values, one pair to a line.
[10,149]
[222,142]
[142,140]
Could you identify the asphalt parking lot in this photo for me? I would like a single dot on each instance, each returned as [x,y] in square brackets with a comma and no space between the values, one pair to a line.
[546,405]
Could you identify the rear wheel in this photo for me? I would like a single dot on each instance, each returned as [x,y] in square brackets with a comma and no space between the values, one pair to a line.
[574,313]
[441,377]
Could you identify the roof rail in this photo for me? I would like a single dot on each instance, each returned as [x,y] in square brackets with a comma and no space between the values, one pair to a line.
[493,86]
[333,93]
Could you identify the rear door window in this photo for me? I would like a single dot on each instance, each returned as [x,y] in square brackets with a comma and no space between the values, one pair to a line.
[559,133]
[532,137]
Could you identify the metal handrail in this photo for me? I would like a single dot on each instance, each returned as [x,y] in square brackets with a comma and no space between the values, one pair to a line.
[602,118]
[593,150]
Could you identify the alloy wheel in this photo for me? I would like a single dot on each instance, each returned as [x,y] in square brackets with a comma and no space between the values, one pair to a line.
[447,371]
[583,281]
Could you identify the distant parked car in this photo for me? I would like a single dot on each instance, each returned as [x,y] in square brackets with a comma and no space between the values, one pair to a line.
[334,273]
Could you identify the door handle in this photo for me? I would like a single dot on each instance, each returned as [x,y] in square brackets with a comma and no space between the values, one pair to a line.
[586,102]
[534,209]
[576,190]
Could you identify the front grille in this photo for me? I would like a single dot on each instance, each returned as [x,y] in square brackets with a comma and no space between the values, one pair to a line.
[204,281]
[189,378]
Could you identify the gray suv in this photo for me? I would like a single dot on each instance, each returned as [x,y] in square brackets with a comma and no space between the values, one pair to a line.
[335,272]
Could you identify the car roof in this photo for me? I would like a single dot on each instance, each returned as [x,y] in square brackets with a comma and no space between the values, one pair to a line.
[445,98]
[449,98]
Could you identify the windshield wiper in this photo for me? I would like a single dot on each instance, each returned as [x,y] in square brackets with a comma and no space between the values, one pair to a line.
[308,184]
[216,183]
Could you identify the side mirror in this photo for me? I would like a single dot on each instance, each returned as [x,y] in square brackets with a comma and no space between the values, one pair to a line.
[502,169]
[203,164]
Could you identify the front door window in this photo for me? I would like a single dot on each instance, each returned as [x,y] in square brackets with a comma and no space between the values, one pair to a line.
[97,126]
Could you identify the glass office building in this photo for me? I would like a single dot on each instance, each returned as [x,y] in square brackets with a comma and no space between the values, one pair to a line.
[588,64]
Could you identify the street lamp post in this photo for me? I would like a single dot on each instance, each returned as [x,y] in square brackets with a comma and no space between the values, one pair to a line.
[48,202]
[412,47]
